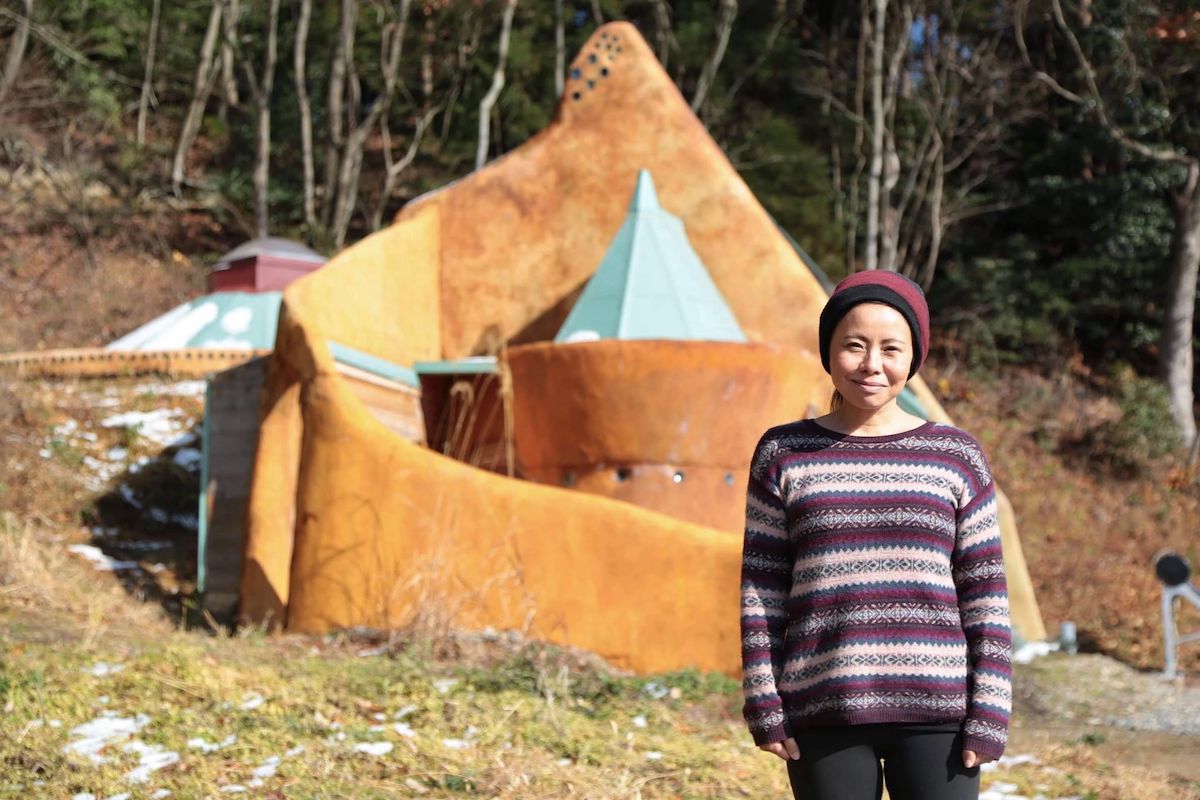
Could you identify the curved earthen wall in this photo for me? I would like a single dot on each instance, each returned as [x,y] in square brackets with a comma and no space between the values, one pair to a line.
[666,425]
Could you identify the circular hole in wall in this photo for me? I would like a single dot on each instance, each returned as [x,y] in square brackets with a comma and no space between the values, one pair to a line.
[678,476]
[568,478]
[624,474]
[729,479]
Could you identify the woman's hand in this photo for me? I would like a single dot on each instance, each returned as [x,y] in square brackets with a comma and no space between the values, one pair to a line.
[787,749]
[973,759]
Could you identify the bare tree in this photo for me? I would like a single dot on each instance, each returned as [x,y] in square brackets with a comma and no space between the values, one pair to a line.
[262,86]
[493,92]
[202,86]
[560,49]
[340,67]
[148,75]
[229,88]
[306,128]
[350,164]
[16,51]
[725,17]
[664,36]
[393,168]
[1176,359]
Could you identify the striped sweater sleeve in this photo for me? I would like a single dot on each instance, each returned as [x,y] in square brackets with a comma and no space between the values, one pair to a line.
[766,581]
[978,571]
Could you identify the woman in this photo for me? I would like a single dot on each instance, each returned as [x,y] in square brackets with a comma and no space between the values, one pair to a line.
[874,607]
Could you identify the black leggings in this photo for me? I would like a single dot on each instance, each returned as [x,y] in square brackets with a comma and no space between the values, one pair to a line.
[920,762]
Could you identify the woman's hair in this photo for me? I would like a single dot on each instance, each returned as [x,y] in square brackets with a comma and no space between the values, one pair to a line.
[836,401]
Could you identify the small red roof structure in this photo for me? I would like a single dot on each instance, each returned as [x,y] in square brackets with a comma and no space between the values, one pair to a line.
[263,265]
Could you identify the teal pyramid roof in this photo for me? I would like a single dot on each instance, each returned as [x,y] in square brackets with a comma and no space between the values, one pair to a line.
[650,284]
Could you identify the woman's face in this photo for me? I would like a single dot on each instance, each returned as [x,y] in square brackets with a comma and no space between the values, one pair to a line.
[871,353]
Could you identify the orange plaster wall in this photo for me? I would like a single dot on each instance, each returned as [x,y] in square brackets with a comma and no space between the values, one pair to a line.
[665,406]
[380,295]
[403,528]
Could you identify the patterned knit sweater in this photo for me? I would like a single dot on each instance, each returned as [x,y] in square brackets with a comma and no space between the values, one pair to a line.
[873,584]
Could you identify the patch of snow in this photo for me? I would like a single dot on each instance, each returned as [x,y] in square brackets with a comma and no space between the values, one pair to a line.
[101,732]
[251,702]
[237,320]
[158,794]
[295,751]
[100,669]
[161,426]
[178,388]
[189,521]
[188,457]
[267,770]
[128,495]
[1027,652]
[368,652]
[205,746]
[228,343]
[444,685]
[404,729]
[117,454]
[233,788]
[1009,761]
[404,712]
[656,690]
[374,748]
[151,757]
[100,561]
[565,762]
[653,755]
[456,744]
[640,721]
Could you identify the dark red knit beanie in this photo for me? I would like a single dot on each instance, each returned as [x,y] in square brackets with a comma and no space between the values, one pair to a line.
[878,286]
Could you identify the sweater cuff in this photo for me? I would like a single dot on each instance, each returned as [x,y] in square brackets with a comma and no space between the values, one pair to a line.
[984,747]
[776,733]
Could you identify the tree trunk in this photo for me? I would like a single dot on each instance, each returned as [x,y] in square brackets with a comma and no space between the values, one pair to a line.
[493,93]
[560,49]
[306,131]
[262,101]
[662,31]
[16,51]
[229,89]
[875,175]
[1176,359]
[392,170]
[148,76]
[728,13]
[343,51]
[350,168]
[202,85]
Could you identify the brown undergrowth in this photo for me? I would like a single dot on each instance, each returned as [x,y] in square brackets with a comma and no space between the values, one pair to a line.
[1089,533]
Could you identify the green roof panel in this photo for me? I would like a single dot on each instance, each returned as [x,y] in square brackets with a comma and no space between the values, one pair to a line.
[650,284]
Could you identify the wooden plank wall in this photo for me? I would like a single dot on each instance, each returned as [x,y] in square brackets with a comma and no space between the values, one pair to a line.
[231,417]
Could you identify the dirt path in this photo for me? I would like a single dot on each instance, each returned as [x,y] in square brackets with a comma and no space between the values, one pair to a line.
[1119,714]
